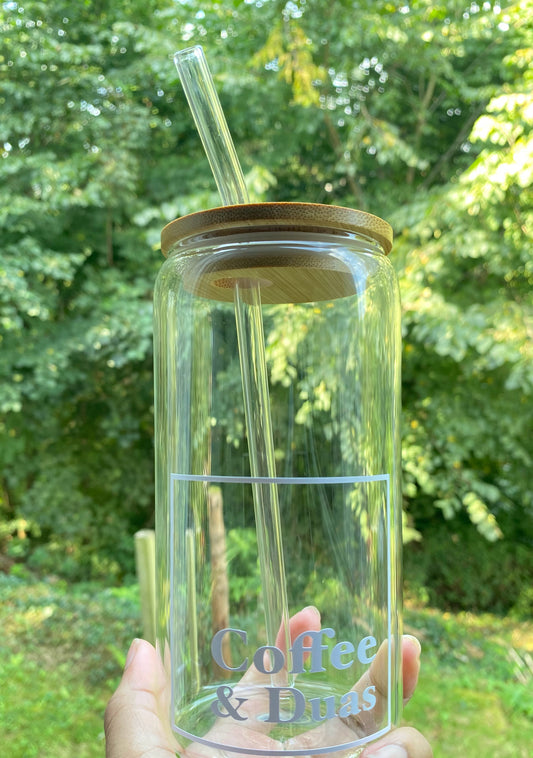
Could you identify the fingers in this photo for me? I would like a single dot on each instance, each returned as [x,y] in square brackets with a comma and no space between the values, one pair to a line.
[366,722]
[306,620]
[253,689]
[136,715]
[404,742]
[411,650]
[378,674]
[136,719]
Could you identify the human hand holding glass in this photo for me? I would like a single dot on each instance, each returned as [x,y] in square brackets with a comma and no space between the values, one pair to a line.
[136,721]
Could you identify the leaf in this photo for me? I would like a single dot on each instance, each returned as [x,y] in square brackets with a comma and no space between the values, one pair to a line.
[480,516]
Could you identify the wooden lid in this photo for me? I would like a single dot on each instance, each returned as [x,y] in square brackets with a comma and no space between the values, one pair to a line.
[284,275]
[304,217]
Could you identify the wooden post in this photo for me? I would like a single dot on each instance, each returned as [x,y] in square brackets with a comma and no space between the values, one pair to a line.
[145,565]
[219,571]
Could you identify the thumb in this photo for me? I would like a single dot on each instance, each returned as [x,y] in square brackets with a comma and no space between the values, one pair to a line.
[136,717]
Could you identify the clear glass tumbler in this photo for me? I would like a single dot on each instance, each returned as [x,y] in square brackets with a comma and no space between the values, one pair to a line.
[278,511]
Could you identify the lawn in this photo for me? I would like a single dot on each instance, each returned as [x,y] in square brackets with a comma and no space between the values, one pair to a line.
[61,653]
[475,695]
[62,649]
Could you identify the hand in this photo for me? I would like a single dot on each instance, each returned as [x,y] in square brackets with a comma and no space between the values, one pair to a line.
[404,742]
[136,719]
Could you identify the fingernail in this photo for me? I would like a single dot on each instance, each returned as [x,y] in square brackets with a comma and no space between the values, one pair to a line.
[416,643]
[131,653]
[312,608]
[388,751]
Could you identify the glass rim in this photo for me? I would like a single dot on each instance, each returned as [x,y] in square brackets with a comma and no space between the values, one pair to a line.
[286,216]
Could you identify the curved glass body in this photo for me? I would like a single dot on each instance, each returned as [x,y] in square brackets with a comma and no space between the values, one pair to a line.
[278,512]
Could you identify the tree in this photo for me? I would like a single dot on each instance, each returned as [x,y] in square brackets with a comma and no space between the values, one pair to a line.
[77,270]
[468,321]
[419,112]
[447,158]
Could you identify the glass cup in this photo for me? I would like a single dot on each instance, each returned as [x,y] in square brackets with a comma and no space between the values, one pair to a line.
[278,509]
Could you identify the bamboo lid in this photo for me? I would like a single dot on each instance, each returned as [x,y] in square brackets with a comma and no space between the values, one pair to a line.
[278,217]
[284,274]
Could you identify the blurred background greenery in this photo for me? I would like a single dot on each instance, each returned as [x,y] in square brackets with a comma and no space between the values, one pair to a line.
[417,111]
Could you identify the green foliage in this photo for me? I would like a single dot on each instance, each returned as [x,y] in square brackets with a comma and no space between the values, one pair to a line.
[61,654]
[419,112]
[468,363]
[461,569]
[77,272]
[241,554]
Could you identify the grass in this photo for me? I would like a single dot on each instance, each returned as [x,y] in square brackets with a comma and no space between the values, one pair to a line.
[475,695]
[62,650]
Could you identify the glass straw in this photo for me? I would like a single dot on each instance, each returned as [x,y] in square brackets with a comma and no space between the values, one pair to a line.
[210,121]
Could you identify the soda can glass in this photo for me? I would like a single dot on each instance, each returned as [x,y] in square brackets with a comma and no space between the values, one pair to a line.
[278,510]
